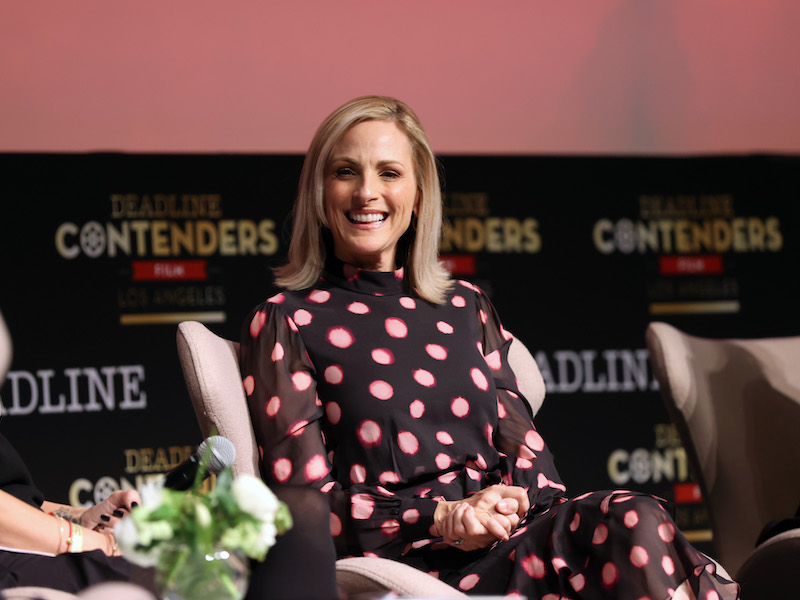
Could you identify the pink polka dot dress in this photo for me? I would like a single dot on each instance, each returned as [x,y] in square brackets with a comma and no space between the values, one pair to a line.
[388,404]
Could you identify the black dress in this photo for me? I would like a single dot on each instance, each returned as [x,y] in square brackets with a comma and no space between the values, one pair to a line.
[388,403]
[67,572]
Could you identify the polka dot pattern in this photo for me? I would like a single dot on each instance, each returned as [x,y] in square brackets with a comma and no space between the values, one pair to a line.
[416,409]
[340,337]
[460,407]
[382,356]
[334,374]
[387,402]
[407,442]
[381,390]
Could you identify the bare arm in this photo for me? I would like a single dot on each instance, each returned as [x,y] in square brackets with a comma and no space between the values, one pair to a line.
[26,528]
[105,514]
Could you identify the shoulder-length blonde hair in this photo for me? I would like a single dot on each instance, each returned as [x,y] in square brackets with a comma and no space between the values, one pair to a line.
[307,247]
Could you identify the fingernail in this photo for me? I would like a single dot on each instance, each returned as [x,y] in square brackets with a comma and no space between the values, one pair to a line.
[502,505]
[134,504]
[117,513]
[105,518]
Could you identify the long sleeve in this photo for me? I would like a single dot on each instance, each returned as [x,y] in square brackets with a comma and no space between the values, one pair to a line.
[526,462]
[289,420]
[14,476]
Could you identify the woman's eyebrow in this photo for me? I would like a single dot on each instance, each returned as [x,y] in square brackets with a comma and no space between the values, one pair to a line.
[352,161]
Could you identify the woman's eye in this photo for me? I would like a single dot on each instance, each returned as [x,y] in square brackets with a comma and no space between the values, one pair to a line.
[344,172]
[391,174]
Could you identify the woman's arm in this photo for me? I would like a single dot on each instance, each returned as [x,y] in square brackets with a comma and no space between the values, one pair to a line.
[527,460]
[105,514]
[279,380]
[26,528]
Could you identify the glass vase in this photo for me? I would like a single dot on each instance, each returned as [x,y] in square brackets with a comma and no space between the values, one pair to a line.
[216,575]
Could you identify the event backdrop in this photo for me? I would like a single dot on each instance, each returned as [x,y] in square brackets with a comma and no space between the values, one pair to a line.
[103,254]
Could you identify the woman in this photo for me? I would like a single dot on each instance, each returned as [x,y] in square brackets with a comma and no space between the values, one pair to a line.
[55,545]
[376,379]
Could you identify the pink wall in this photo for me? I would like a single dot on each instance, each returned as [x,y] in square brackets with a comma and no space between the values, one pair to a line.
[532,76]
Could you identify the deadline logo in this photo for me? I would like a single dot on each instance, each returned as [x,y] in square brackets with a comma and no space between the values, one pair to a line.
[687,224]
[166,226]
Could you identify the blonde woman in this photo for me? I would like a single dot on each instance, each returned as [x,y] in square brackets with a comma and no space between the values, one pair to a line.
[378,380]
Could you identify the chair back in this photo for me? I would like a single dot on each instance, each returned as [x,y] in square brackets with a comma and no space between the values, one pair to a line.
[736,405]
[210,367]
[529,377]
[5,350]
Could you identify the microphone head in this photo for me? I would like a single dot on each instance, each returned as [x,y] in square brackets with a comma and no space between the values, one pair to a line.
[222,453]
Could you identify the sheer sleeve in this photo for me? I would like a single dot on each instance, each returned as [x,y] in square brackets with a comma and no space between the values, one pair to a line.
[526,460]
[280,381]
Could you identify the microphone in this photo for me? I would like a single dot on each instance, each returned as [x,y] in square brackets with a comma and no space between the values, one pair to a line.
[221,454]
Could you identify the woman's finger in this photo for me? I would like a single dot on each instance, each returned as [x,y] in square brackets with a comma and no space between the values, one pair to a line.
[453,527]
[483,527]
[507,506]
[508,523]
[513,493]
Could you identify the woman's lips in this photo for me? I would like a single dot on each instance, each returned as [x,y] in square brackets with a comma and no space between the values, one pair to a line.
[366,218]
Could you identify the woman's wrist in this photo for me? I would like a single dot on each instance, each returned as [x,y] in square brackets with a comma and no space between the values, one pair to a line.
[106,542]
[60,524]
[443,508]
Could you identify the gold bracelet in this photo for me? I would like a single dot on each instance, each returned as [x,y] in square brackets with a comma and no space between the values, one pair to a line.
[75,540]
[60,532]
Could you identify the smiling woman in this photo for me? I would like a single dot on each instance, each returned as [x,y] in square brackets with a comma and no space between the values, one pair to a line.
[370,194]
[377,380]
[346,160]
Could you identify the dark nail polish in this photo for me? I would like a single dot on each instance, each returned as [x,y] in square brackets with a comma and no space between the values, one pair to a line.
[105,518]
[134,504]
[117,513]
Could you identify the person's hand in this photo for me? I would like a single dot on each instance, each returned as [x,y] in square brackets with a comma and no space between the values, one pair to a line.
[481,519]
[110,510]
[100,540]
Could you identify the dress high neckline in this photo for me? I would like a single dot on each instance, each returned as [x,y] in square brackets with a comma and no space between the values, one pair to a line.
[363,281]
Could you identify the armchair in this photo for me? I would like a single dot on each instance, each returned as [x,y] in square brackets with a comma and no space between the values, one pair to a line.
[736,405]
[211,369]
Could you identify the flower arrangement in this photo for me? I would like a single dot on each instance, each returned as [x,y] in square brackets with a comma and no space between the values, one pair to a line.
[191,536]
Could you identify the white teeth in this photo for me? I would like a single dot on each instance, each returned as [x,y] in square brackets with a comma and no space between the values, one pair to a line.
[367,218]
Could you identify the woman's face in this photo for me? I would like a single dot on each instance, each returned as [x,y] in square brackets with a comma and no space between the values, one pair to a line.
[370,194]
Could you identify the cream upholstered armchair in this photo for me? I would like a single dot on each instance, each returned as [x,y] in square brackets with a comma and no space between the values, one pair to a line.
[211,369]
[736,405]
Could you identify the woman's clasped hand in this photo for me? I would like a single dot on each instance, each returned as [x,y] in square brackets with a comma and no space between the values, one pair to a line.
[479,520]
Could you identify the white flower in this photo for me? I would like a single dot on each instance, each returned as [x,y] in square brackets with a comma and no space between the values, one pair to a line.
[266,536]
[254,497]
[126,534]
[152,493]
[203,515]
[128,537]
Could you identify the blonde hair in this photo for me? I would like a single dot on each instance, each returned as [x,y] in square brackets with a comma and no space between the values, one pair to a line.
[307,248]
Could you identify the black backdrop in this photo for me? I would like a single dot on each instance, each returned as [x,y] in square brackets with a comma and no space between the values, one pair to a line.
[104,253]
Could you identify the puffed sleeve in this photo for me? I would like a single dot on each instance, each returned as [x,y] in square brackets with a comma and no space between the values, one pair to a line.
[280,382]
[527,462]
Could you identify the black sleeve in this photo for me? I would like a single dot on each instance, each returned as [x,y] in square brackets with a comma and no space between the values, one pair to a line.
[15,477]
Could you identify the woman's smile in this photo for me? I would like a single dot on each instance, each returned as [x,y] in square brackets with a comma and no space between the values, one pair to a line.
[369,218]
[370,194]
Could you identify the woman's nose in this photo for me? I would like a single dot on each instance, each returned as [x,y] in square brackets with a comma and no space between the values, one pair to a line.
[366,189]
